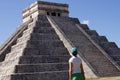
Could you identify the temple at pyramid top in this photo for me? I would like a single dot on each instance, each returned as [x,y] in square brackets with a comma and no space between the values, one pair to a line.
[45,8]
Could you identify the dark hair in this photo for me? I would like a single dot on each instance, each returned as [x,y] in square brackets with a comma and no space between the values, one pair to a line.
[74,51]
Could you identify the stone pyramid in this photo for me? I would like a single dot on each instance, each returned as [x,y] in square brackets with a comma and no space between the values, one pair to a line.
[40,47]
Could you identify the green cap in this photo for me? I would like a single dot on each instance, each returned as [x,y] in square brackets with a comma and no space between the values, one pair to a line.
[74,50]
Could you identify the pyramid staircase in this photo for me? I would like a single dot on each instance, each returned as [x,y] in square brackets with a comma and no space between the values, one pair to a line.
[36,51]
[37,54]
[109,47]
[102,56]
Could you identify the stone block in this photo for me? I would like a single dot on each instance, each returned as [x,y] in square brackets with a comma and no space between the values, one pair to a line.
[8,77]
[14,54]
[42,24]
[114,51]
[31,25]
[28,31]
[23,39]
[43,67]
[84,26]
[92,54]
[116,58]
[37,36]
[9,63]
[8,67]
[92,32]
[44,43]
[18,46]
[44,59]
[118,62]
[47,51]
[103,39]
[107,45]
[76,20]
[95,38]
[55,75]
[45,30]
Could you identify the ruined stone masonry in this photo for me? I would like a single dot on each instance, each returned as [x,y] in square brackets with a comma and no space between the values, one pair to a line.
[40,47]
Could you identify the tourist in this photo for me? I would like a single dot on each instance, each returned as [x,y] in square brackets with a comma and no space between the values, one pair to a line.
[76,71]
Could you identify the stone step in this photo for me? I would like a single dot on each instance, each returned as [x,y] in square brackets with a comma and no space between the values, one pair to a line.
[43,59]
[43,67]
[107,45]
[116,58]
[45,30]
[99,39]
[62,19]
[23,38]
[118,62]
[84,26]
[87,49]
[42,19]
[34,60]
[76,21]
[37,51]
[38,43]
[7,67]
[102,39]
[14,54]
[95,38]
[113,51]
[28,68]
[37,36]
[44,43]
[28,31]
[43,24]
[92,32]
[31,25]
[117,55]
[9,63]
[18,46]
[47,51]
[54,75]
[6,70]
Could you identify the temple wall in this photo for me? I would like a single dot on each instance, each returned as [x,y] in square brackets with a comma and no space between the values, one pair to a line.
[45,8]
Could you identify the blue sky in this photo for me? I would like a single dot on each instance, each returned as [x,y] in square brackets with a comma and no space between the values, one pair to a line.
[101,15]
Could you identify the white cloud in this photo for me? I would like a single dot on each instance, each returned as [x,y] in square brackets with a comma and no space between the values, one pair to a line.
[86,22]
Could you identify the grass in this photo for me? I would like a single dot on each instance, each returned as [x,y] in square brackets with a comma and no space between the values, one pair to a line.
[106,78]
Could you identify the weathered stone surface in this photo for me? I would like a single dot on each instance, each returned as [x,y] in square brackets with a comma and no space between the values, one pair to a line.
[37,36]
[92,32]
[84,26]
[56,75]
[47,51]
[38,52]
[103,39]
[44,44]
[43,67]
[87,49]
[38,59]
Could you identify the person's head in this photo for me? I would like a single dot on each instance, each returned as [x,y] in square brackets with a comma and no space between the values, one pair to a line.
[74,51]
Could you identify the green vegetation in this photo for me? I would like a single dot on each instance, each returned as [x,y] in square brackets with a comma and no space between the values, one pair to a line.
[92,79]
[106,78]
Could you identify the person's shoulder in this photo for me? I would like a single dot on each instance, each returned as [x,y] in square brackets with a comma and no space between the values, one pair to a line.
[79,59]
[71,59]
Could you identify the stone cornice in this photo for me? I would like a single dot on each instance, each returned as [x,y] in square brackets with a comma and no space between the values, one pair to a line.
[47,9]
[51,3]
[43,2]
